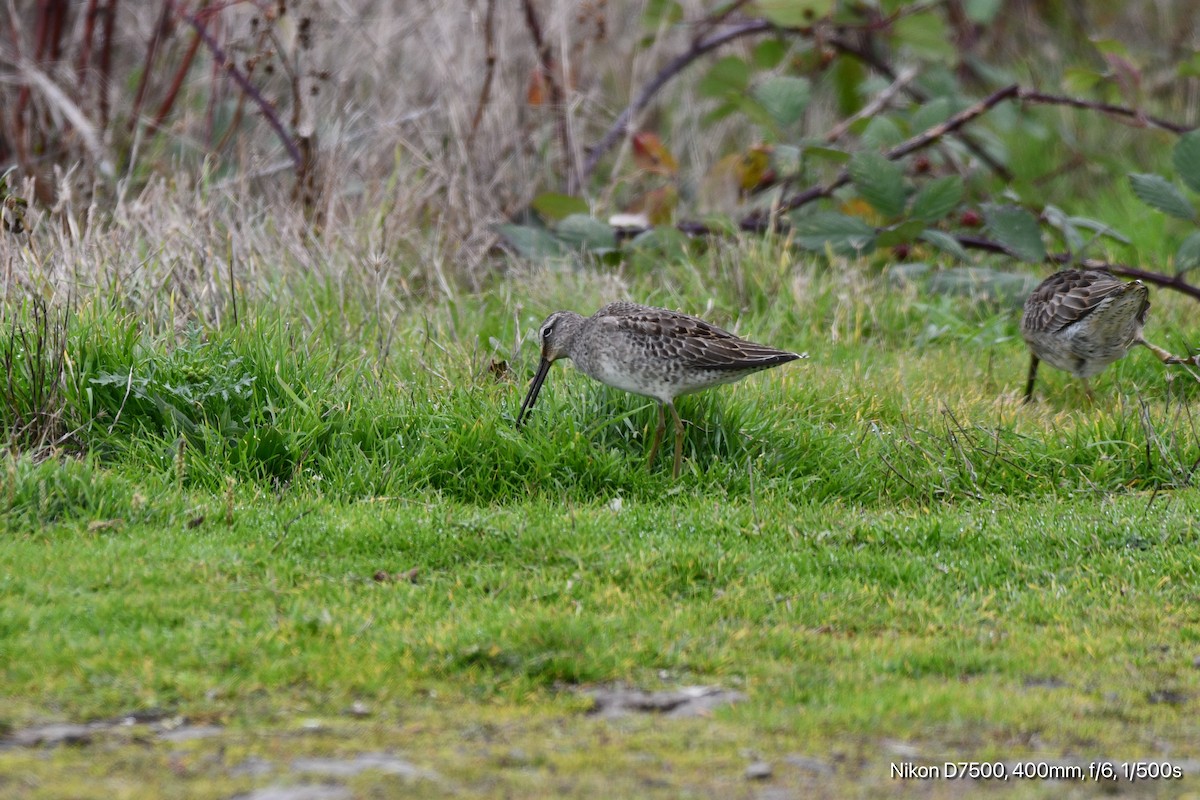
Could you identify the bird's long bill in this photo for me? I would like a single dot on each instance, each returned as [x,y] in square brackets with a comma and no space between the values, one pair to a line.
[534,388]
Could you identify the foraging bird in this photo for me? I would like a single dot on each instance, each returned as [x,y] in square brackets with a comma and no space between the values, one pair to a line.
[652,352]
[1082,320]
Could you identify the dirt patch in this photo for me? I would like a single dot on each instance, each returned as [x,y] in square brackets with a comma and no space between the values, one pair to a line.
[297,793]
[348,767]
[686,701]
[155,723]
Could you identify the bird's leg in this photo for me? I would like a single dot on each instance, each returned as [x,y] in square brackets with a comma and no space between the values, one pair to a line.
[1170,359]
[1033,365]
[1163,355]
[678,439]
[658,434]
[1087,387]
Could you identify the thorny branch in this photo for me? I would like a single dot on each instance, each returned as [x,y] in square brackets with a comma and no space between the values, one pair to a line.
[759,223]
[883,68]
[243,82]
[160,31]
[1030,96]
[185,65]
[704,43]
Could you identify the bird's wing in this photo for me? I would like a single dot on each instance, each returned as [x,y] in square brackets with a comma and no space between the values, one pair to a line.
[689,340]
[1068,296]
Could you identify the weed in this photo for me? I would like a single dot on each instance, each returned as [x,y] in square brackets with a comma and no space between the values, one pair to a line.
[33,356]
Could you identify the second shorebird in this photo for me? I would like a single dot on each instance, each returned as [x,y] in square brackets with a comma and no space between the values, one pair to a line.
[652,352]
[1082,320]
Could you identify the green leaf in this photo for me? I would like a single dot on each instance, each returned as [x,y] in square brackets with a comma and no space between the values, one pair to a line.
[1077,80]
[768,53]
[661,11]
[554,206]
[946,243]
[786,160]
[937,198]
[983,283]
[941,80]
[1189,68]
[663,240]
[1102,228]
[720,112]
[879,181]
[730,75]
[982,12]
[793,13]
[530,242]
[818,149]
[1157,192]
[988,73]
[1112,47]
[1186,159]
[784,97]
[583,232]
[753,110]
[842,234]
[931,114]
[1057,218]
[908,273]
[1188,256]
[847,75]
[904,233]
[926,36]
[882,133]
[1017,230]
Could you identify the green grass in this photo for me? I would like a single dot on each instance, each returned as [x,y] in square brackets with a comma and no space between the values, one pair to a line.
[879,543]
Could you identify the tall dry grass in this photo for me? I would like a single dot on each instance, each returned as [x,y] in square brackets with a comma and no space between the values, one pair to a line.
[413,172]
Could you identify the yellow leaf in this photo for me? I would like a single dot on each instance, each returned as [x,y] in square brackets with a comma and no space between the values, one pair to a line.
[657,204]
[651,155]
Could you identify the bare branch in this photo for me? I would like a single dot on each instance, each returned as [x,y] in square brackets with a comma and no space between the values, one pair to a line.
[877,104]
[931,135]
[106,43]
[139,95]
[85,45]
[240,78]
[883,68]
[1157,278]
[489,48]
[1175,282]
[557,102]
[673,68]
[177,82]
[1030,96]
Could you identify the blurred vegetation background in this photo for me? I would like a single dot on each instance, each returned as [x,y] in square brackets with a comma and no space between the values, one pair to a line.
[401,136]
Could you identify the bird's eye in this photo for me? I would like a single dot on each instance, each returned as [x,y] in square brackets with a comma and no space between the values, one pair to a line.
[547,330]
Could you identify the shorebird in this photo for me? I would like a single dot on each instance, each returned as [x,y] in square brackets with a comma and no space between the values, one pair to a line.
[651,352]
[1082,320]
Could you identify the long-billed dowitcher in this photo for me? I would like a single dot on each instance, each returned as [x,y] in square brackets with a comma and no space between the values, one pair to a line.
[652,352]
[1082,320]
